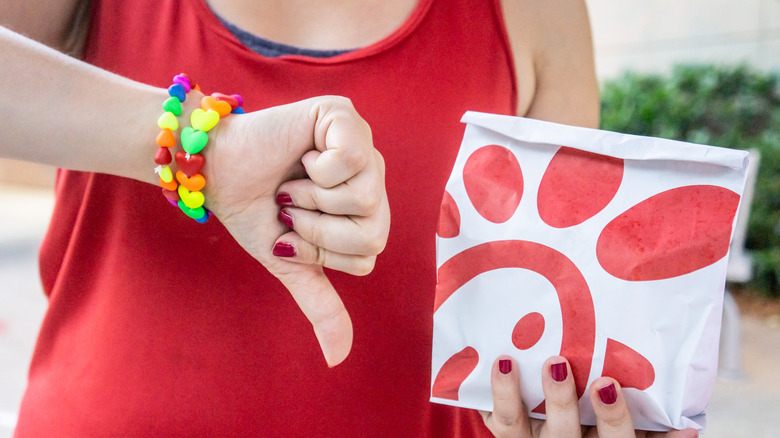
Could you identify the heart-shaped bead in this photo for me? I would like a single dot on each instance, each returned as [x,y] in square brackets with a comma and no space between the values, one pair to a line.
[163,156]
[166,174]
[168,121]
[210,103]
[233,102]
[184,81]
[189,164]
[204,120]
[194,184]
[171,195]
[205,218]
[170,185]
[177,91]
[192,199]
[172,105]
[165,139]
[193,141]
[195,213]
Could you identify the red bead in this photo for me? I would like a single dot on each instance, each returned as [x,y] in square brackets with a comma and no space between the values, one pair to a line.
[163,156]
[190,166]
[228,99]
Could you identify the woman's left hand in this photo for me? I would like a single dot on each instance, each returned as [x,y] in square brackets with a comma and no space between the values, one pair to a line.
[509,418]
[335,214]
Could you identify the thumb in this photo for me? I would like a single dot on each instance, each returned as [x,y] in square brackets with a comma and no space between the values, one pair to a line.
[321,305]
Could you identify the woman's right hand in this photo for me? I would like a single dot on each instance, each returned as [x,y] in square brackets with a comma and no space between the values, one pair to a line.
[335,209]
[509,418]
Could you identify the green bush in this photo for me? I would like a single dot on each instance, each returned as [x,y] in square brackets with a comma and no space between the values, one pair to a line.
[735,107]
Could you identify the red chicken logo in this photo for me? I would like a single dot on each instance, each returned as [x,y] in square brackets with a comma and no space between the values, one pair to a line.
[652,234]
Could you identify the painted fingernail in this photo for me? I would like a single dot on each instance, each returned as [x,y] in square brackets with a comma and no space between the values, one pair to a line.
[284,200]
[285,218]
[559,372]
[608,394]
[284,249]
[505,366]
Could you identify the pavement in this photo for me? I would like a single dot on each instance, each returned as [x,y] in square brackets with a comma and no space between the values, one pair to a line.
[745,406]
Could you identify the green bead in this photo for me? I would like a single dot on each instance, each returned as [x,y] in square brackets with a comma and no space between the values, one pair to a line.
[193,141]
[195,213]
[172,105]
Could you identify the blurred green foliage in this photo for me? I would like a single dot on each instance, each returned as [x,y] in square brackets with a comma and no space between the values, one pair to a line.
[736,107]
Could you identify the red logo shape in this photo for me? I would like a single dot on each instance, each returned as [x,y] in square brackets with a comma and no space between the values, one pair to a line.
[577,312]
[645,242]
[629,368]
[449,218]
[577,185]
[528,331]
[454,372]
[494,182]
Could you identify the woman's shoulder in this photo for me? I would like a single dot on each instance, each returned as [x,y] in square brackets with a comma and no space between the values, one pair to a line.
[553,55]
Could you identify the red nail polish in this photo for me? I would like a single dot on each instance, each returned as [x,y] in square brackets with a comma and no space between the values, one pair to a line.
[559,372]
[505,366]
[284,249]
[285,218]
[608,394]
[284,200]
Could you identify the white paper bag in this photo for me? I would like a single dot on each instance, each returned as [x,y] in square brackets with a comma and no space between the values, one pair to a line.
[604,248]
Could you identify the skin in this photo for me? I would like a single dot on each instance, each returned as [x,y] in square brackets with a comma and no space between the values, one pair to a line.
[555,77]
[342,217]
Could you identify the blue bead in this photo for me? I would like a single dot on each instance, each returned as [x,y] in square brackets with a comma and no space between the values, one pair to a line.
[177,91]
[238,110]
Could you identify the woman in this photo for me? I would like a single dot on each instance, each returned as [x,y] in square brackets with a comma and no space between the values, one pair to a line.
[161,326]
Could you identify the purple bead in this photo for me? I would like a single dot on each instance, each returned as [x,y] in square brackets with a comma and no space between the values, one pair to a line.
[183,81]
[238,98]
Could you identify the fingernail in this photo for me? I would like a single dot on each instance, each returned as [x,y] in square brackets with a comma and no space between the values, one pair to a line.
[285,218]
[608,394]
[559,372]
[284,249]
[505,366]
[284,200]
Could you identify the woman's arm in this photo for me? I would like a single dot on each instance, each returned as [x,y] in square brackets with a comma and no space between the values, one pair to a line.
[59,24]
[59,111]
[553,53]
[62,112]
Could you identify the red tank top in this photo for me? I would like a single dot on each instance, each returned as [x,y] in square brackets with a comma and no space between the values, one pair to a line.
[159,326]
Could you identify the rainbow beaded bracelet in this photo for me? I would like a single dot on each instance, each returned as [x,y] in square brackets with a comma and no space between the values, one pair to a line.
[187,193]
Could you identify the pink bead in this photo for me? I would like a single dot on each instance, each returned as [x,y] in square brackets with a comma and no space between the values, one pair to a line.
[238,98]
[183,81]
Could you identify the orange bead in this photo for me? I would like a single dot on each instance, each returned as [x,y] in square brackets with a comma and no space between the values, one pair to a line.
[194,183]
[165,139]
[210,103]
[173,185]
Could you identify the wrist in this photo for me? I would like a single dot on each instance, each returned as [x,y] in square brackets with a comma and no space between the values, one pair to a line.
[180,170]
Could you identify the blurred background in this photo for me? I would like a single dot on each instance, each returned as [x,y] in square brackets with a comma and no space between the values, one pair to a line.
[705,71]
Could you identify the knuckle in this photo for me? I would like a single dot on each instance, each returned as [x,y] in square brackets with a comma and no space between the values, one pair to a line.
[366,202]
[315,232]
[616,420]
[321,256]
[561,405]
[364,266]
[375,242]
